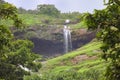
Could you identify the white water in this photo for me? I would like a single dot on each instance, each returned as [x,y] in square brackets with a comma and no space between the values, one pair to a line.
[24,68]
[67,39]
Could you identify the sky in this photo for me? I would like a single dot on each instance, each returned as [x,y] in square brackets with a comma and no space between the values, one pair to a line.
[62,5]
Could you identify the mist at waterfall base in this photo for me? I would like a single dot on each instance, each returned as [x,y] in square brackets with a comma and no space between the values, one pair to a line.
[67,39]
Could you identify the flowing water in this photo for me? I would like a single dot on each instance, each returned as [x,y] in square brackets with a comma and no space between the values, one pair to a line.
[67,39]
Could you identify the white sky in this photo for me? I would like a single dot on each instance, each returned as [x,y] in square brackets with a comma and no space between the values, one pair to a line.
[62,5]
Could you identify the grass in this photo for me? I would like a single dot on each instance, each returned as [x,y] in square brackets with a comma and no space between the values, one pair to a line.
[33,20]
[63,62]
[92,64]
[80,25]
[61,68]
[30,19]
[6,22]
[84,50]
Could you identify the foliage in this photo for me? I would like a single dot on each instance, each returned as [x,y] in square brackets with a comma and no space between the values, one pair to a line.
[83,50]
[33,77]
[14,53]
[22,10]
[76,16]
[48,9]
[107,21]
[79,25]
[2,1]
[62,67]
[30,19]
[73,75]
[31,34]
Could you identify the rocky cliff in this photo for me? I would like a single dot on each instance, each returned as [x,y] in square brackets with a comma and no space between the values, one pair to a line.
[48,40]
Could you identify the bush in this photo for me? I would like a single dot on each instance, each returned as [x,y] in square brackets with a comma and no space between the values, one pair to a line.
[32,77]
[31,34]
[74,75]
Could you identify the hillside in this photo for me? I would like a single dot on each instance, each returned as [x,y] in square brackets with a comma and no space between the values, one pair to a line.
[83,61]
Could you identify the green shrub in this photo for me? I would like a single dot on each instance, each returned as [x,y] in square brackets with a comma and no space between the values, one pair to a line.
[31,34]
[32,77]
[92,74]
[74,75]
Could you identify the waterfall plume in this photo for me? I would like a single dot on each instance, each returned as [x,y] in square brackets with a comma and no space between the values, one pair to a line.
[67,39]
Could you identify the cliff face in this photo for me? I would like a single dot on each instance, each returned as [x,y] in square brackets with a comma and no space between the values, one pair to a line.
[49,41]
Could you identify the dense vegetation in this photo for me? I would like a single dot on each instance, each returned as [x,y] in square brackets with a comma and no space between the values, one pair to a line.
[107,21]
[82,64]
[48,10]
[15,55]
[52,16]
[18,62]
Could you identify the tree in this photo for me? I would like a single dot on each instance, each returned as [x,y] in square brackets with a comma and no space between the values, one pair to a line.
[107,21]
[48,9]
[2,1]
[22,10]
[32,11]
[14,54]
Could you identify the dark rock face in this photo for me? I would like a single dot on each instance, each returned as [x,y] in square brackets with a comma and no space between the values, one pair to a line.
[49,41]
[49,48]
[82,40]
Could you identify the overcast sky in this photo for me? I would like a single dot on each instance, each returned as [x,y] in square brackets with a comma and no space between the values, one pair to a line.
[62,5]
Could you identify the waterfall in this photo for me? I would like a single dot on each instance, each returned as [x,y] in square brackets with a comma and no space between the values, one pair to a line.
[67,39]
